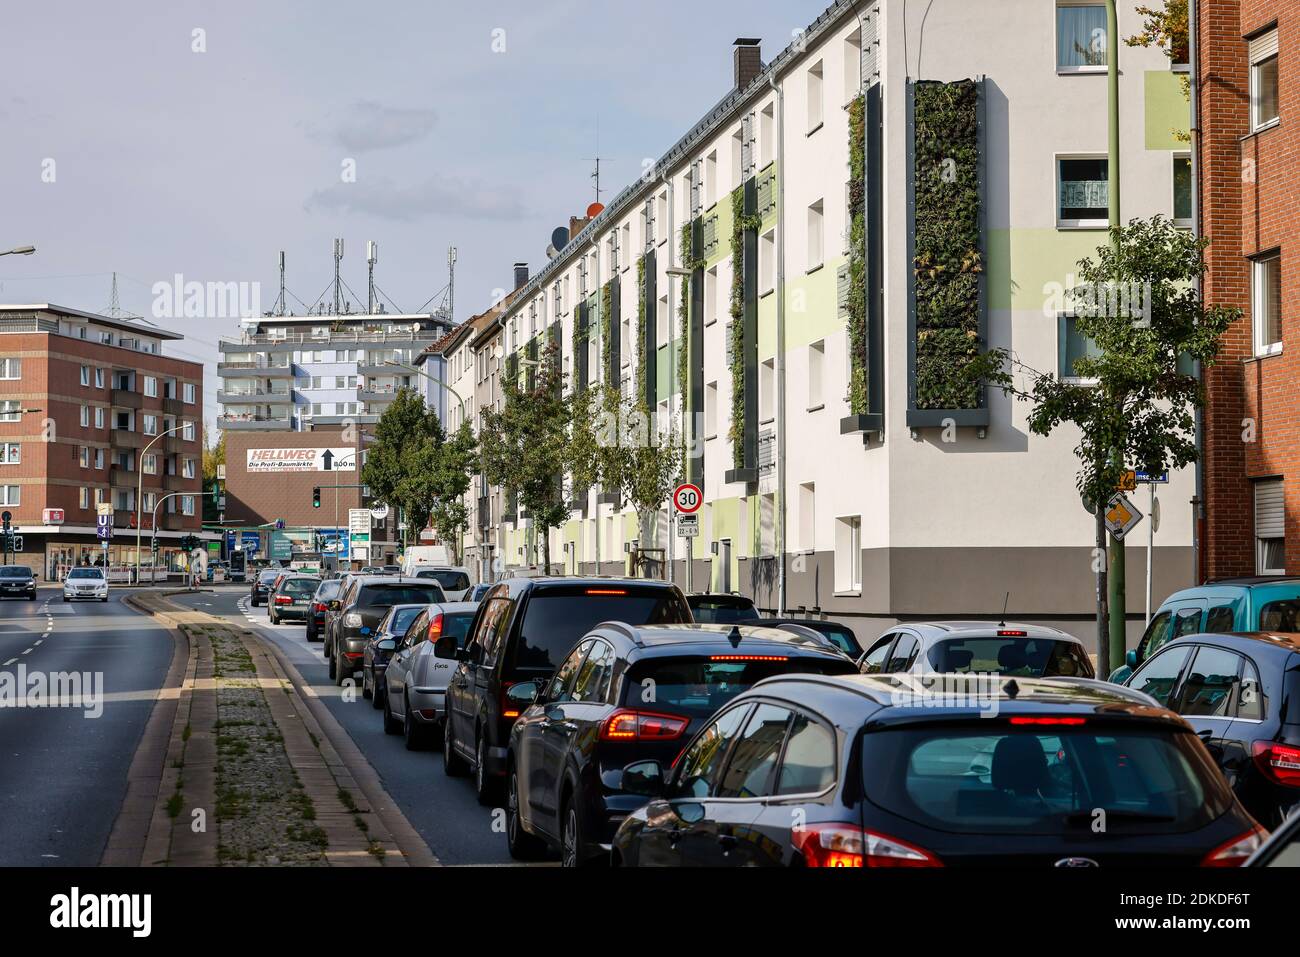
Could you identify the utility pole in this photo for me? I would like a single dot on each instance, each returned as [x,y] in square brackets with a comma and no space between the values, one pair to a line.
[1116,597]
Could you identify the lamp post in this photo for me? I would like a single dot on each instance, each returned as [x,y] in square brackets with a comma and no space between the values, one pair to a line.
[153,537]
[139,491]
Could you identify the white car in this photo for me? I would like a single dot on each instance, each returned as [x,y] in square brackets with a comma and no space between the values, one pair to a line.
[454,579]
[85,582]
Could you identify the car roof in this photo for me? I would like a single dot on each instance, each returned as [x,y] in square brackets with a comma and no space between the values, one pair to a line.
[517,585]
[971,628]
[720,597]
[1244,641]
[714,639]
[391,580]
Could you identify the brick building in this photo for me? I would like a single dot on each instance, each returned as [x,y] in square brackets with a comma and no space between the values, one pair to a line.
[1247,106]
[90,411]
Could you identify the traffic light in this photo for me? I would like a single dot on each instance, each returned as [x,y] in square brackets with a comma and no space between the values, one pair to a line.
[315,497]
[154,546]
[216,488]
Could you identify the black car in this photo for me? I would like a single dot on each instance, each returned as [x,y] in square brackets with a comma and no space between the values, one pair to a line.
[841,636]
[626,693]
[478,591]
[907,771]
[17,581]
[722,609]
[374,660]
[364,601]
[522,630]
[325,592]
[261,586]
[1241,693]
[291,598]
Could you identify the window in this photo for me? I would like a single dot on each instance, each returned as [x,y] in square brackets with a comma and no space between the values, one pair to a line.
[99,417]
[1282,615]
[1266,305]
[85,375]
[767,391]
[1209,690]
[1080,37]
[187,392]
[1250,695]
[753,762]
[710,410]
[873,662]
[10,410]
[11,368]
[816,363]
[150,386]
[767,262]
[592,683]
[766,135]
[99,378]
[808,765]
[711,296]
[710,179]
[187,504]
[83,499]
[815,95]
[1182,190]
[1071,346]
[85,416]
[1083,193]
[151,425]
[1263,80]
[848,554]
[852,65]
[99,458]
[10,453]
[704,758]
[808,516]
[1220,619]
[903,654]
[12,494]
[83,457]
[816,244]
[1270,527]
[1158,675]
[187,469]
[187,432]
[151,463]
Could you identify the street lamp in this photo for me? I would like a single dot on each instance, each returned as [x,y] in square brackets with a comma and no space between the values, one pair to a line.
[19,251]
[139,491]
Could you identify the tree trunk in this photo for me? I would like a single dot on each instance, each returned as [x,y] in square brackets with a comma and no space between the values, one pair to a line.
[1103,617]
[546,551]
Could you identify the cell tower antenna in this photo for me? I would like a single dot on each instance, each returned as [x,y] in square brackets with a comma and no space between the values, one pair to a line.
[372,257]
[280,302]
[338,279]
[595,173]
[451,283]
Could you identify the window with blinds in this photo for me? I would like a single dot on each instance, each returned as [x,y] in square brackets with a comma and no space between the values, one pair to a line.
[1270,527]
[1263,80]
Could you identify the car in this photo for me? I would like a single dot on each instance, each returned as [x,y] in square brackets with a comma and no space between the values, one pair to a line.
[85,581]
[625,693]
[725,608]
[1262,603]
[841,636]
[17,581]
[478,591]
[415,701]
[374,660]
[363,602]
[291,598]
[326,590]
[961,647]
[523,628]
[454,581]
[876,771]
[391,570]
[372,570]
[1241,694]
[281,575]
[261,586]
[1282,849]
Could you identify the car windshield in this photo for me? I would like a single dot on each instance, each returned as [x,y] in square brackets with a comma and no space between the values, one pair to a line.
[400,619]
[94,573]
[1280,616]
[992,780]
[722,610]
[1022,657]
[15,571]
[298,587]
[699,688]
[556,618]
[449,580]
[385,596]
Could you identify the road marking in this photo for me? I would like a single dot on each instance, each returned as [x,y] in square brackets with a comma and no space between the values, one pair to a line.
[37,642]
[27,651]
[10,661]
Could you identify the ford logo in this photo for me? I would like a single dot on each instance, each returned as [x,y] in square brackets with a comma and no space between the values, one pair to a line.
[1076,862]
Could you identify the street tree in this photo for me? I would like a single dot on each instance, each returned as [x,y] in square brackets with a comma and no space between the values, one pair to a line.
[406,446]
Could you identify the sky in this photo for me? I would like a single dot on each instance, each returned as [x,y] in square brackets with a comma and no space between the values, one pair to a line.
[197,139]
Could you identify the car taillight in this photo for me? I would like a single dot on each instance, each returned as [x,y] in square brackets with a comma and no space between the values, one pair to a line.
[1280,763]
[1070,722]
[1233,853]
[1012,633]
[435,628]
[283,600]
[846,845]
[628,725]
[319,606]
[749,658]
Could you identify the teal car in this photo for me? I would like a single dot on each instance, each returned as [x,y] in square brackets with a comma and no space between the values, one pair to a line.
[1233,604]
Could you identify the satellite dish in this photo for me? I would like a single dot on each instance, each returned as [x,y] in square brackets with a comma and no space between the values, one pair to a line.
[559,237]
[594,210]
[551,251]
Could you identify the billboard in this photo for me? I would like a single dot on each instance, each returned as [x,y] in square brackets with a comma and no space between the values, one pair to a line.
[269,461]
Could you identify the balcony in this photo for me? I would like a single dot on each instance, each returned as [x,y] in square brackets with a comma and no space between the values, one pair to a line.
[353,336]
[384,395]
[126,399]
[126,439]
[175,521]
[173,406]
[264,423]
[255,397]
[176,482]
[258,366]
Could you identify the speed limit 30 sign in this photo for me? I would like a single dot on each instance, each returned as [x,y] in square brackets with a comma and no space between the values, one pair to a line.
[687,498]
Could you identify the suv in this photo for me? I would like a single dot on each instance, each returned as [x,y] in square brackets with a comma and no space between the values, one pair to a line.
[872,771]
[523,629]
[1233,604]
[626,693]
[17,581]
[364,601]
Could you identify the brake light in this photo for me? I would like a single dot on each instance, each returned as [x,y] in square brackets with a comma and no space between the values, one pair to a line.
[1233,853]
[629,725]
[1280,763]
[749,658]
[506,710]
[283,600]
[319,606]
[606,591]
[1069,722]
[846,845]
[435,628]
[1012,633]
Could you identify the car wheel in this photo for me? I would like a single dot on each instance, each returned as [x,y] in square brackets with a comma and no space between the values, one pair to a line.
[365,685]
[343,672]
[271,616]
[377,693]
[415,734]
[452,763]
[522,845]
[484,786]
[105,598]
[573,850]
[391,724]
[332,666]
[65,597]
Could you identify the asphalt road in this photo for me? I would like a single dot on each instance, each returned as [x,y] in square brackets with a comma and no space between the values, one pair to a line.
[457,829]
[63,770]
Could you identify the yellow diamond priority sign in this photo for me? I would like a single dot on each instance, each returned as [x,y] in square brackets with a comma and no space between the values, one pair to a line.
[1122,515]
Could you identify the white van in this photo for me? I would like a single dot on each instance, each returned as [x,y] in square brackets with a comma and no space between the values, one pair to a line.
[417,556]
[454,579]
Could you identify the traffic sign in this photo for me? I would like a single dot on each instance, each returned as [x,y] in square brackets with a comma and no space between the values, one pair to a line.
[379,511]
[687,498]
[104,508]
[1128,481]
[1152,478]
[688,526]
[1122,516]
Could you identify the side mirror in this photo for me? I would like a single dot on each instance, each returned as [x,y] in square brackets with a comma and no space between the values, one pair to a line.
[335,604]
[386,644]
[445,647]
[644,778]
[1131,658]
[523,694]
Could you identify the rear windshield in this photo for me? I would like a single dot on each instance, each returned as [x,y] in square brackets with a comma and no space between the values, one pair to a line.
[81,573]
[450,581]
[269,575]
[989,780]
[722,610]
[1023,657]
[327,590]
[1280,616]
[555,619]
[699,687]
[15,571]
[843,639]
[457,625]
[299,587]
[402,618]
[385,596]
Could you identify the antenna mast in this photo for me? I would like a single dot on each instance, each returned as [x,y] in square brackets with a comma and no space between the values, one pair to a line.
[338,281]
[451,283]
[372,257]
[280,302]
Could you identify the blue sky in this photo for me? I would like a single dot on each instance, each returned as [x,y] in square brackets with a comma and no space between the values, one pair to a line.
[169,161]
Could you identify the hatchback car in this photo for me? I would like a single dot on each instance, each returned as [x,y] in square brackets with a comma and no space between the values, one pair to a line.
[261,585]
[87,581]
[315,619]
[866,771]
[724,608]
[962,647]
[625,693]
[1241,693]
[523,629]
[374,660]
[415,699]
[292,597]
[17,581]
[841,636]
[1233,604]
[364,601]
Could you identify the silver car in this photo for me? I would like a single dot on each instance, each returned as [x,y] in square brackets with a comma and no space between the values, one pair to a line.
[421,666]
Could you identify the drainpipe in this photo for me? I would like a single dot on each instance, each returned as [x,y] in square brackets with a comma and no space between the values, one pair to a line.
[672,364]
[1198,503]
[587,346]
[780,345]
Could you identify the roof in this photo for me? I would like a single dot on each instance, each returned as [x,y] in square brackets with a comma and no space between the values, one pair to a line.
[140,326]
[1249,581]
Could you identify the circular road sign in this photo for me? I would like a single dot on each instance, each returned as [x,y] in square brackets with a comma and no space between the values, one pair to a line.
[688,498]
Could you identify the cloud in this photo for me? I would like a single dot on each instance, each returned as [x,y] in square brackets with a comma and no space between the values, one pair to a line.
[446,196]
[367,125]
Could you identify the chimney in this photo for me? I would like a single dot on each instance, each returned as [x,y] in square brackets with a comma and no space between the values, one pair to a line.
[748,61]
[521,275]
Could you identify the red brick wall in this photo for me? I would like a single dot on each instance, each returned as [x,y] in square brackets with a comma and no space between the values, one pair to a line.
[1248,192]
[256,499]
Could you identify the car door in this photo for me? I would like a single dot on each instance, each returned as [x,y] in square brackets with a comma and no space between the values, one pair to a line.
[548,734]
[1207,696]
[807,777]
[1158,676]
[461,688]
[570,737]
[902,656]
[398,673]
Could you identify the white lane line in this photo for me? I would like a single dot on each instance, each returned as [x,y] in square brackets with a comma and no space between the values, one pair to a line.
[37,642]
[10,661]
[27,651]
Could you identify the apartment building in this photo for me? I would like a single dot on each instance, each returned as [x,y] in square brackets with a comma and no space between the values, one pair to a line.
[93,413]
[1248,57]
[843,471]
